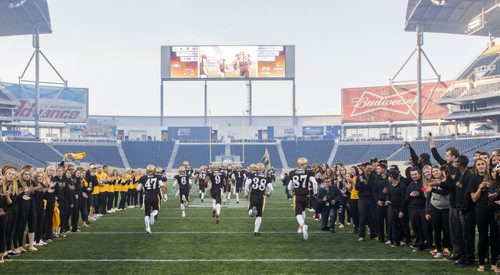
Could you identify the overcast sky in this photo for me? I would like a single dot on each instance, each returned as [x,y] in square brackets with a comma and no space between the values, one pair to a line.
[113,48]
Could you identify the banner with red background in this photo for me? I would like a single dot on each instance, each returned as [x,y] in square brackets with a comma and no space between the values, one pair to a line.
[383,104]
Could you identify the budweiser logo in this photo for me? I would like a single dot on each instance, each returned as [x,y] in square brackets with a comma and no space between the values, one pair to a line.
[370,102]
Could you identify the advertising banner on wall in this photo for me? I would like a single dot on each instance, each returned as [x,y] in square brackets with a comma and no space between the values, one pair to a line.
[57,104]
[384,104]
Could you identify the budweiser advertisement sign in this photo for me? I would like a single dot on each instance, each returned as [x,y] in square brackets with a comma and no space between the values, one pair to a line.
[57,104]
[391,103]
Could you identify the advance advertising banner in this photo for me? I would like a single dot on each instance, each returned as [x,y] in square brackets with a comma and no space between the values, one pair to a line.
[57,104]
[227,62]
[383,104]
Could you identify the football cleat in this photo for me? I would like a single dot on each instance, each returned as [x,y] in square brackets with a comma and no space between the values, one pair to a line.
[148,230]
[183,214]
[256,234]
[299,231]
[305,234]
[217,219]
[152,216]
[213,213]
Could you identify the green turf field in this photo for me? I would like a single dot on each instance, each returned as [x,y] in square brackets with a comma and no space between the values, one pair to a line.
[118,244]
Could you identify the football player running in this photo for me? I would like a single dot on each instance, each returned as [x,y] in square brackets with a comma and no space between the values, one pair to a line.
[257,187]
[238,178]
[300,182]
[218,181]
[201,182]
[184,182]
[152,184]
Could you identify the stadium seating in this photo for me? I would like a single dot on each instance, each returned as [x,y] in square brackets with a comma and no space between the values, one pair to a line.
[255,152]
[197,154]
[37,150]
[11,151]
[101,154]
[350,154]
[314,151]
[140,154]
[485,60]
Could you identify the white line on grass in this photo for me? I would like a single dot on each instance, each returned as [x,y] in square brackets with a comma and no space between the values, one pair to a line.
[197,218]
[228,260]
[198,232]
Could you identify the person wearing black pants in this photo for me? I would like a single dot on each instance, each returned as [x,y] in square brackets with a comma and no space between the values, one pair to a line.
[415,202]
[437,207]
[382,187]
[73,197]
[38,206]
[5,202]
[479,189]
[24,201]
[354,197]
[396,202]
[367,207]
[467,218]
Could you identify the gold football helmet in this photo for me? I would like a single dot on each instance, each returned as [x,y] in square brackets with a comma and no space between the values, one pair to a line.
[302,162]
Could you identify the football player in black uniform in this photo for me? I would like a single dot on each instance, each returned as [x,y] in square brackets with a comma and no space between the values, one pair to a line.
[238,178]
[218,181]
[228,169]
[201,182]
[184,182]
[258,186]
[152,184]
[300,182]
[189,170]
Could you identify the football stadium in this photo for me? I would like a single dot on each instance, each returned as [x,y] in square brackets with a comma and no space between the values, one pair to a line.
[223,153]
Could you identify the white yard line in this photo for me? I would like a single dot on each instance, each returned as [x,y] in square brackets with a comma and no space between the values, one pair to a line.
[229,260]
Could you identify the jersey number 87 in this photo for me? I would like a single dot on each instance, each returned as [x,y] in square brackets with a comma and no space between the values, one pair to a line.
[299,180]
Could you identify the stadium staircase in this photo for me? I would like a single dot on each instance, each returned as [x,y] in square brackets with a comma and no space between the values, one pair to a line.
[172,156]
[332,155]
[123,156]
[281,153]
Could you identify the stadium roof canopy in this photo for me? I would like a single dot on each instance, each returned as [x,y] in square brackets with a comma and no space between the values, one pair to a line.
[20,17]
[472,17]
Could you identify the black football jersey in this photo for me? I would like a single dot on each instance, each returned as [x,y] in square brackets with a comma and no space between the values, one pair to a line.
[258,183]
[239,175]
[189,172]
[217,179]
[201,176]
[151,183]
[182,181]
[300,179]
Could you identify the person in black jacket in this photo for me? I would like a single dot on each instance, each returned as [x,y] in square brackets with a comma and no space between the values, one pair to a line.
[366,203]
[415,202]
[381,188]
[479,189]
[75,194]
[324,204]
[285,182]
[451,164]
[465,206]
[396,203]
